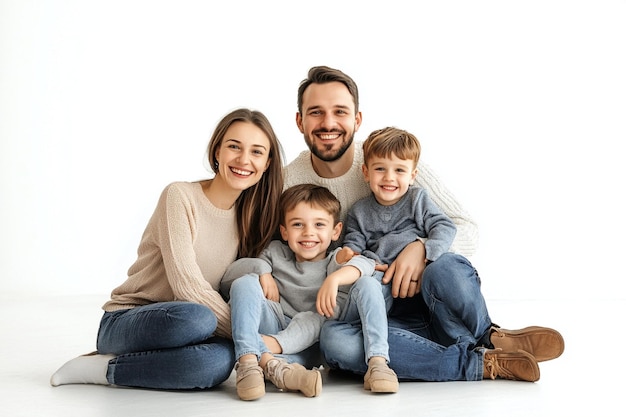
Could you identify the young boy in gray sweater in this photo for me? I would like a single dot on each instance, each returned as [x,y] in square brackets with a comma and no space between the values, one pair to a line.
[280,300]
[396,212]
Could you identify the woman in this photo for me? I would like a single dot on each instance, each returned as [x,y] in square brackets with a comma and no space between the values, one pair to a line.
[166,326]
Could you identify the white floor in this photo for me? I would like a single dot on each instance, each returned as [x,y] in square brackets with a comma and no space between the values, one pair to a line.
[39,334]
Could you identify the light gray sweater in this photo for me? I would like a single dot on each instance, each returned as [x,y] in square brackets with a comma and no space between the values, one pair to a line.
[298,282]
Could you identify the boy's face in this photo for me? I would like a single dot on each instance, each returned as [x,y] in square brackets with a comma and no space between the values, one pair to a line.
[309,230]
[389,178]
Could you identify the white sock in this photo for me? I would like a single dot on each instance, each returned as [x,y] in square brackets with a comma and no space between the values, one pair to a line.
[86,369]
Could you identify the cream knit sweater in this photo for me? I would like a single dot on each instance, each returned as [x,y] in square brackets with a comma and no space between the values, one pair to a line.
[186,247]
[351,187]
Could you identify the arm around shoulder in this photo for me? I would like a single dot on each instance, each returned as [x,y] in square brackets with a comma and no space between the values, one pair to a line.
[239,268]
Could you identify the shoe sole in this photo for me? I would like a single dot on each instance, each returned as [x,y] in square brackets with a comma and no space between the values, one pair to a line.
[383,387]
[251,394]
[525,333]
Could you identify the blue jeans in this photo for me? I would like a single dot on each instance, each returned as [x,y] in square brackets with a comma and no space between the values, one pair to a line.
[435,336]
[168,345]
[367,307]
[252,315]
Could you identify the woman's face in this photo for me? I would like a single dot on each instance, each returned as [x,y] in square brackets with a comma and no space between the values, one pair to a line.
[243,155]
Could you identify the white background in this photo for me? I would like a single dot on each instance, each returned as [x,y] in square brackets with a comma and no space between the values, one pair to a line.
[520,107]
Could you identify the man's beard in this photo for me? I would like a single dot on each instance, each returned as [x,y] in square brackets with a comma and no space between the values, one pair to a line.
[329,156]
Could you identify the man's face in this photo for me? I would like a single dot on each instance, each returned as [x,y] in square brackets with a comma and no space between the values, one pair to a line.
[328,120]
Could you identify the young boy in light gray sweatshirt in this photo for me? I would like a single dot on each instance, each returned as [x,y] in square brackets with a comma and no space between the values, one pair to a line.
[280,300]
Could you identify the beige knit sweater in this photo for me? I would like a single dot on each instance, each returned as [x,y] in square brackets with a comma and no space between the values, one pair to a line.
[183,254]
[351,187]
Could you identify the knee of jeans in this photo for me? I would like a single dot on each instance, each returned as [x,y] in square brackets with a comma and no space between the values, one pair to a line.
[196,318]
[448,268]
[243,285]
[367,284]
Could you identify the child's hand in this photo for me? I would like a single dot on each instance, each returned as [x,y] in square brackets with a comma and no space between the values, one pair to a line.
[270,289]
[327,298]
[344,255]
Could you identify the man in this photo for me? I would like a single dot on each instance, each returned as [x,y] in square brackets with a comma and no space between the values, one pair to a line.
[439,326]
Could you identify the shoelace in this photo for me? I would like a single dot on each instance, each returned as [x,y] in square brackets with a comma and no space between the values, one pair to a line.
[497,332]
[493,367]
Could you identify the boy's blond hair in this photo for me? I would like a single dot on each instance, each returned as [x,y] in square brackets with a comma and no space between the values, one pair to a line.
[391,141]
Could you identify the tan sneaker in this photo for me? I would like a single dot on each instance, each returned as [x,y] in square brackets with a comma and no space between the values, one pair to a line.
[381,378]
[294,377]
[250,380]
[516,366]
[541,342]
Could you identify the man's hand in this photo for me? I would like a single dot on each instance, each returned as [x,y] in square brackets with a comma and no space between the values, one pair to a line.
[405,273]
[270,289]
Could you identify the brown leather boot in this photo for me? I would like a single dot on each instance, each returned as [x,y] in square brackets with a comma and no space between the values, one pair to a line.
[541,342]
[250,381]
[294,377]
[516,366]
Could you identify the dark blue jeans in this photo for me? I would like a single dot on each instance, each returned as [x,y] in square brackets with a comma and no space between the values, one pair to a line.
[434,336]
[166,345]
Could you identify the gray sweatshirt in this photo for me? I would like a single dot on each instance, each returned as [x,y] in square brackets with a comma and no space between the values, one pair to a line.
[382,232]
[298,282]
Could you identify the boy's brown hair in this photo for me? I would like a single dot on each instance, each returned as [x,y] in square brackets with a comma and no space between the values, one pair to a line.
[391,141]
[315,195]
